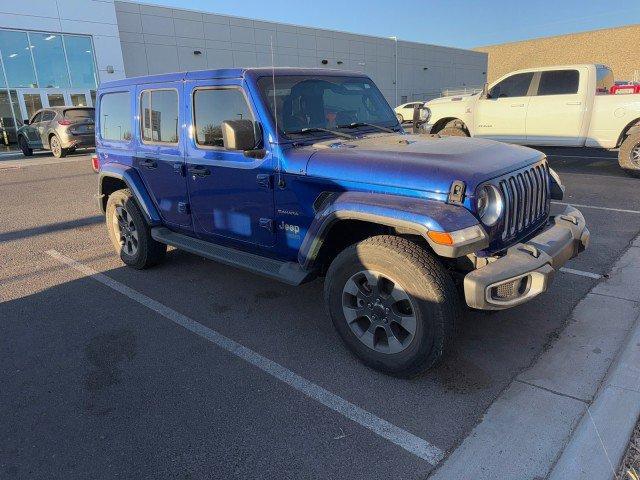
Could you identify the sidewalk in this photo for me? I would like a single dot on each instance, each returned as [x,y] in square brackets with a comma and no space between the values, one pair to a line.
[571,414]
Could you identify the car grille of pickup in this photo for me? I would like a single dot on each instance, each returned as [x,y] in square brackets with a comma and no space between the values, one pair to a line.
[526,199]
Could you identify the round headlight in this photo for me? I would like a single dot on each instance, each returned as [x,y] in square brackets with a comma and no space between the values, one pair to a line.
[489,205]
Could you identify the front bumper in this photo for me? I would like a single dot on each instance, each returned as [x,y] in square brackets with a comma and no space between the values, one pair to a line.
[527,269]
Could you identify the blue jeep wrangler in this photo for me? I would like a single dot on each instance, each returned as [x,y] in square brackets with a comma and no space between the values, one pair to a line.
[299,173]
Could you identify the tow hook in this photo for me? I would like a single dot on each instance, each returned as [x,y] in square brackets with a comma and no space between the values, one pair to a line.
[570,219]
[530,249]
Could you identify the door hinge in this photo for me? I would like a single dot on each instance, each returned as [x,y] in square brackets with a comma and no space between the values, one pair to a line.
[265,181]
[183,207]
[267,224]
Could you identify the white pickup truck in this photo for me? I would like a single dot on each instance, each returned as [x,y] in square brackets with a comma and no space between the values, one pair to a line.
[553,106]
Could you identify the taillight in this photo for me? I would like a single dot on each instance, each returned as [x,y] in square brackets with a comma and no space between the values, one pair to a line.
[95,163]
[64,121]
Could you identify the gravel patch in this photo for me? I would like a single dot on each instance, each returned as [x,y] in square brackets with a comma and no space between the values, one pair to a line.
[632,457]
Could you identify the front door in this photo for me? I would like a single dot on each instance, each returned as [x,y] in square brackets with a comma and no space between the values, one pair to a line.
[159,158]
[502,114]
[231,194]
[33,130]
[557,110]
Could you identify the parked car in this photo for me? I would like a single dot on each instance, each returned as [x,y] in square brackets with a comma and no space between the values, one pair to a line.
[59,129]
[299,173]
[404,112]
[555,106]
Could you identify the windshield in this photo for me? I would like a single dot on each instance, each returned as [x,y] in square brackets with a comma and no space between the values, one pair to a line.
[313,104]
[80,114]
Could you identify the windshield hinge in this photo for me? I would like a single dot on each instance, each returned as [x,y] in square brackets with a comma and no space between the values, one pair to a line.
[456,192]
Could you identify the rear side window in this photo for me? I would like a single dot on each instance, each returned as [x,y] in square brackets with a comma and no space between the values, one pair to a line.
[211,108]
[559,82]
[514,86]
[159,112]
[115,116]
[48,116]
[80,114]
[604,79]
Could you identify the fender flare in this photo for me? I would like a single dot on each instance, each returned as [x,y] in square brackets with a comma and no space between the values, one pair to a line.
[635,130]
[132,180]
[416,214]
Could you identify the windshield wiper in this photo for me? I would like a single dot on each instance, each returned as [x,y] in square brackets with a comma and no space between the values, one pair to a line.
[365,124]
[318,129]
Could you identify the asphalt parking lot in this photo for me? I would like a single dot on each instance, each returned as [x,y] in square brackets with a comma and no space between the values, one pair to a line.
[96,384]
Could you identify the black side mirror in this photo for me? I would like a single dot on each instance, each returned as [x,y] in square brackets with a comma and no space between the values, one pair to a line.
[241,135]
[26,122]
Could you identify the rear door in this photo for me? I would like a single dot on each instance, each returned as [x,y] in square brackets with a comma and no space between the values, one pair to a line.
[159,155]
[502,114]
[557,109]
[44,126]
[231,194]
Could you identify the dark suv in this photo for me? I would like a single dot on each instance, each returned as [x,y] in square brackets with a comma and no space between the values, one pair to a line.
[59,129]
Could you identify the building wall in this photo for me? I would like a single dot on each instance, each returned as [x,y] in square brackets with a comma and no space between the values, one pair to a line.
[158,40]
[618,48]
[90,17]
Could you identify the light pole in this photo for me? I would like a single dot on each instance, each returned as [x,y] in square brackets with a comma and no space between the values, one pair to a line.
[395,39]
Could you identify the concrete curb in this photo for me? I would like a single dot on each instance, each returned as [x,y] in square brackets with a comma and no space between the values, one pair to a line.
[572,413]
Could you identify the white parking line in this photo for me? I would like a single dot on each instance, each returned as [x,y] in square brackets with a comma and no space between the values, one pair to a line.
[609,209]
[581,273]
[411,443]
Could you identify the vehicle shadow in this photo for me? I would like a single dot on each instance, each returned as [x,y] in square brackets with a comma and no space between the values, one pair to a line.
[50,228]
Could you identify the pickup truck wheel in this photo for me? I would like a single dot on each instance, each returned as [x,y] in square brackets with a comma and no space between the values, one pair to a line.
[129,232]
[629,155]
[452,132]
[393,304]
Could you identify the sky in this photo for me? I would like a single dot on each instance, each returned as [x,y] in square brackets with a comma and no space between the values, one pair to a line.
[456,23]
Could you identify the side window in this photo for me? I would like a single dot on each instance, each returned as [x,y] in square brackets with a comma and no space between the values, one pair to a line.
[559,82]
[115,116]
[211,108]
[36,118]
[159,113]
[514,86]
[48,116]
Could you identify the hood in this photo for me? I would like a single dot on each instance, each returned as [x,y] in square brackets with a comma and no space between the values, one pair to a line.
[452,99]
[417,162]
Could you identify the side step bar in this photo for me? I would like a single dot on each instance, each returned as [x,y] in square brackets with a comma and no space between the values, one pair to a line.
[287,272]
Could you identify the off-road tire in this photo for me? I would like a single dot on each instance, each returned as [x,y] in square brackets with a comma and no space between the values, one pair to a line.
[149,252]
[56,147]
[453,132]
[627,155]
[24,146]
[429,287]
[400,118]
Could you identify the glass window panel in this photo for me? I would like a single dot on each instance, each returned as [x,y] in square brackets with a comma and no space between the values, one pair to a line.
[37,117]
[16,106]
[559,82]
[78,99]
[33,102]
[93,97]
[16,54]
[7,124]
[3,84]
[80,114]
[48,116]
[212,107]
[56,100]
[514,86]
[48,55]
[115,116]
[81,64]
[160,118]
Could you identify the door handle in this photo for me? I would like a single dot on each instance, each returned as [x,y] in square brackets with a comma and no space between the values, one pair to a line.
[148,163]
[517,104]
[574,103]
[199,171]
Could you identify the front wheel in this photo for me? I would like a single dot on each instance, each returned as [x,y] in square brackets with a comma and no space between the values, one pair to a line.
[400,118]
[453,132]
[629,155]
[24,146]
[129,232]
[393,305]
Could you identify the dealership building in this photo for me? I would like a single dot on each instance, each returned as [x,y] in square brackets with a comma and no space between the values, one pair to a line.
[56,52]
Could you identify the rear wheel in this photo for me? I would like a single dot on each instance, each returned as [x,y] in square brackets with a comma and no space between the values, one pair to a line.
[24,146]
[129,232]
[393,304]
[629,155]
[56,147]
[400,118]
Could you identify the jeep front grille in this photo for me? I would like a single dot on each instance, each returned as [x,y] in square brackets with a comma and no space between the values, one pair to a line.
[526,199]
